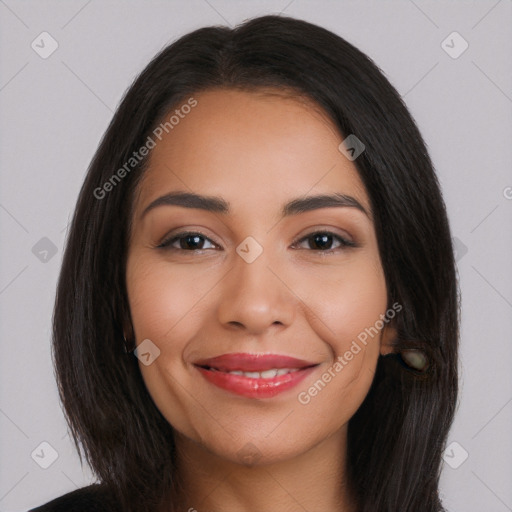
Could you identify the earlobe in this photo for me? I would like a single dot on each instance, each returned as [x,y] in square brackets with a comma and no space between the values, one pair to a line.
[128,334]
[411,358]
[388,336]
[125,323]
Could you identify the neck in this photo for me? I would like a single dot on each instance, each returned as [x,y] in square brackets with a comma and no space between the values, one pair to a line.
[314,480]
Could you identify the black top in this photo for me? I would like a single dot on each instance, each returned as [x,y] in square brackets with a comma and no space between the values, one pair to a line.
[93,498]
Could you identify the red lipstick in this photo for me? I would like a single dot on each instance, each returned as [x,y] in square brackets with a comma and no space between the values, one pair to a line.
[257,375]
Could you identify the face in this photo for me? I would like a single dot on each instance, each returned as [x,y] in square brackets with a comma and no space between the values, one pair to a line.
[251,277]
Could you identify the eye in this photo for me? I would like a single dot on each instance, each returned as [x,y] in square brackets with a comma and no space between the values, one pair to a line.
[319,241]
[322,241]
[188,241]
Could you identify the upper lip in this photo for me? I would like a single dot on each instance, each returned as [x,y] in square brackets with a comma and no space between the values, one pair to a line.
[252,362]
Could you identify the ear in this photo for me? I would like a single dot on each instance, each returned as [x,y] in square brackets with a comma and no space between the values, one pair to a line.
[387,339]
[128,332]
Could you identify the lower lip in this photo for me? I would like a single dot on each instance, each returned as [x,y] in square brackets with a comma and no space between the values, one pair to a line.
[255,388]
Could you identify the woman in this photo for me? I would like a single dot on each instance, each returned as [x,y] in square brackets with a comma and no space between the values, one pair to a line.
[258,306]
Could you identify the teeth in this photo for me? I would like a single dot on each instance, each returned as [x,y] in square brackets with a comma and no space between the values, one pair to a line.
[282,371]
[267,374]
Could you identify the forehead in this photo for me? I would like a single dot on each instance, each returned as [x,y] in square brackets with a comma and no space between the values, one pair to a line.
[254,148]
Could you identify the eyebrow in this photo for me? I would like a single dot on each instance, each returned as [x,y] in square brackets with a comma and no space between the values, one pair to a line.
[217,204]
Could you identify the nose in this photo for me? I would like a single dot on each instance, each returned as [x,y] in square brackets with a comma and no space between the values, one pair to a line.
[255,297]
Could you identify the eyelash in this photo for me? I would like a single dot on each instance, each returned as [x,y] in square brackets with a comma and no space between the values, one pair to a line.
[344,243]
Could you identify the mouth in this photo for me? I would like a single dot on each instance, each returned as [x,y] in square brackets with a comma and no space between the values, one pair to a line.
[266,374]
[254,375]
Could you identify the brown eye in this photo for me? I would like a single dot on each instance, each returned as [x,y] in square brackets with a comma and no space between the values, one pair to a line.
[187,241]
[323,241]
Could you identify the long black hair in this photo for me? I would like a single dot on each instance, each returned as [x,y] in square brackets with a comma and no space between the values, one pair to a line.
[397,436]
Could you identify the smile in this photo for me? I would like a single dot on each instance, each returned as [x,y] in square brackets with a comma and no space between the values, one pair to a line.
[254,375]
[267,374]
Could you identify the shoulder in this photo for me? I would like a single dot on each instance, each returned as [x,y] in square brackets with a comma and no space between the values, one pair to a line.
[93,498]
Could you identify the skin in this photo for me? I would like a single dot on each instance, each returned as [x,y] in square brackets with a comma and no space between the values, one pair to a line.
[257,151]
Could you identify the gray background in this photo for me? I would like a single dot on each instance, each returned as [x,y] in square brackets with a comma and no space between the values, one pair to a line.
[55,110]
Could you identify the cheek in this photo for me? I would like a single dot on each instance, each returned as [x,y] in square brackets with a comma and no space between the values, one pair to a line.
[162,298]
[164,309]
[347,300]
[349,305]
